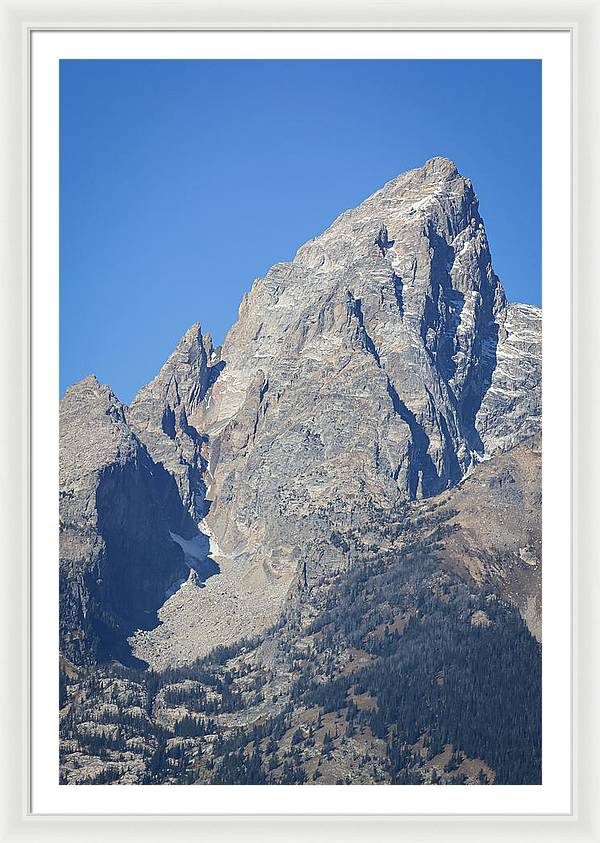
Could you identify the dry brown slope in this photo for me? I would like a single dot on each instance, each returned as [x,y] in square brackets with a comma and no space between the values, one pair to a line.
[497,535]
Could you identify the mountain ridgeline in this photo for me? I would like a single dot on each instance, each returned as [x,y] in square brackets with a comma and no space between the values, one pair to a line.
[371,426]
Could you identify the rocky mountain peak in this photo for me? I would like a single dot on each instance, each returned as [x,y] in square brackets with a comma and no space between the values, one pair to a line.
[440,166]
[165,414]
[438,173]
[90,392]
[404,280]
[380,365]
[93,429]
[116,509]
[378,342]
[179,386]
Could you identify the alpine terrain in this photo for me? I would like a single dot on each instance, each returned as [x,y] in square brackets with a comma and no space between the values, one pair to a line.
[313,555]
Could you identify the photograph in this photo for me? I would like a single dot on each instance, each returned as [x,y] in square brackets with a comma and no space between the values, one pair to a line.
[300,467]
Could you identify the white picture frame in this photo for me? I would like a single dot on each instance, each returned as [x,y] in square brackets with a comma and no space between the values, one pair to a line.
[18,22]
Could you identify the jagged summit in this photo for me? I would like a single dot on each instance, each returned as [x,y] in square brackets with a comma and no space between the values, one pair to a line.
[93,429]
[436,192]
[438,170]
[439,164]
[408,269]
[182,381]
[90,380]
[116,509]
[355,376]
[89,388]
[163,414]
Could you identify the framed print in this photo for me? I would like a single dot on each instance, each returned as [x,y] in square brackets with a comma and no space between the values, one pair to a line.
[300,444]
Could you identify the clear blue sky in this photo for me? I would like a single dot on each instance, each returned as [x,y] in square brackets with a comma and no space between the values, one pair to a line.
[183,181]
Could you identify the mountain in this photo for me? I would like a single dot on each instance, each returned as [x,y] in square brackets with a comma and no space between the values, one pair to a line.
[324,536]
[358,368]
[382,363]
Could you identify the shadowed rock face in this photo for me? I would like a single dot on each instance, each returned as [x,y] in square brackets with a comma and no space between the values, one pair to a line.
[116,507]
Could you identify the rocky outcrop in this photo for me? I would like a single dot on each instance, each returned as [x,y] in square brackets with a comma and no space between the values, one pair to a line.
[356,371]
[117,506]
[162,414]
[511,410]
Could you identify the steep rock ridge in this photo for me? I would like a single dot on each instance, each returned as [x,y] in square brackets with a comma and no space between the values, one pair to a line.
[357,369]
[162,415]
[511,409]
[116,508]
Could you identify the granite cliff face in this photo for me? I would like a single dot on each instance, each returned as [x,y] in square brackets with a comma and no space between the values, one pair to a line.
[117,559]
[162,411]
[511,410]
[357,370]
[382,364]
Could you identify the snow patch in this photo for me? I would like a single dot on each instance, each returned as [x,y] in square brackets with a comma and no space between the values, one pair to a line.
[198,552]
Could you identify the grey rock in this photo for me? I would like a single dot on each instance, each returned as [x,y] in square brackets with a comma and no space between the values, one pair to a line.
[374,366]
[356,370]
[117,506]
[511,409]
[382,363]
[162,415]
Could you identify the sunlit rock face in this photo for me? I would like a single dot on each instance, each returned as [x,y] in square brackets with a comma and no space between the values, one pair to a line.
[356,371]
[511,409]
